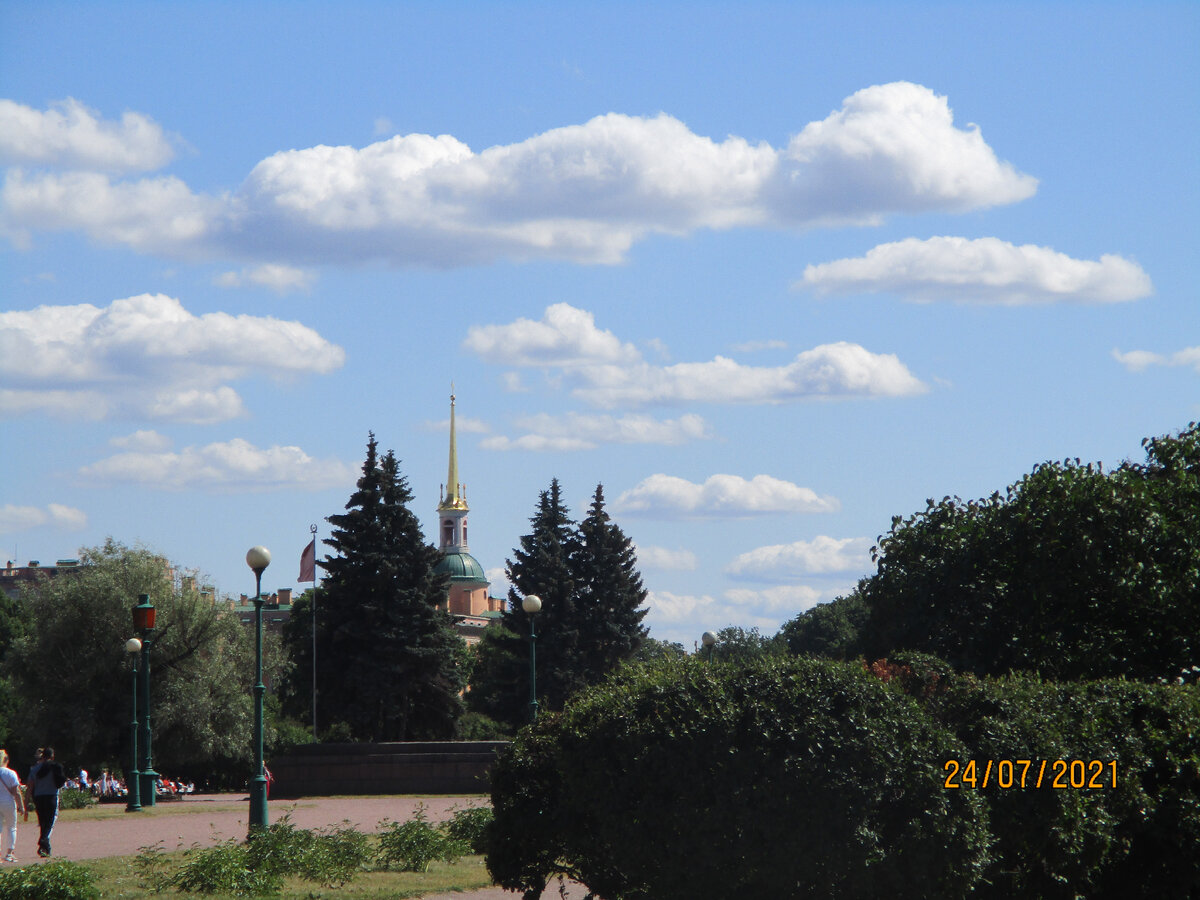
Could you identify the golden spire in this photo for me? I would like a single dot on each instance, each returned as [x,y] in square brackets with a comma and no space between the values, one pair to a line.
[454,498]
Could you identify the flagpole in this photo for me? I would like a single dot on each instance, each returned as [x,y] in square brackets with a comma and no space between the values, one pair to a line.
[313,530]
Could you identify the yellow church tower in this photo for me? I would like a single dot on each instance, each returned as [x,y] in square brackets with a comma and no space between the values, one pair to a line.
[468,595]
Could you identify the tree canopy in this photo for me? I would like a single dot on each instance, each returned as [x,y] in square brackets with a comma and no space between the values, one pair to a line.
[592,608]
[390,665]
[1074,572]
[70,672]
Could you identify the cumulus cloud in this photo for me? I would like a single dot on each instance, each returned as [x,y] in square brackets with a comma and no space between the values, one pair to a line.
[576,431]
[583,193]
[607,372]
[155,215]
[790,598]
[1139,360]
[891,148]
[222,467]
[665,606]
[147,356]
[839,370]
[280,279]
[23,518]
[666,496]
[143,439]
[566,337]
[70,135]
[983,270]
[820,556]
[666,559]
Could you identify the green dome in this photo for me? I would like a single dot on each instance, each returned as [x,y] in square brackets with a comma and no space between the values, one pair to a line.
[461,566]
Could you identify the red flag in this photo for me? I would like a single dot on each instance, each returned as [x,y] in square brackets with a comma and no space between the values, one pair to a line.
[308,563]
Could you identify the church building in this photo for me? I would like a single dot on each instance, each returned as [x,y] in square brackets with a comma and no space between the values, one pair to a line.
[468,599]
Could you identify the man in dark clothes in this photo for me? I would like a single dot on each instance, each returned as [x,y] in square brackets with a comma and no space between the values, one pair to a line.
[45,780]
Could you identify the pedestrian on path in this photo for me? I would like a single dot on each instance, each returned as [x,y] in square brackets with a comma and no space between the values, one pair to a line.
[11,803]
[47,778]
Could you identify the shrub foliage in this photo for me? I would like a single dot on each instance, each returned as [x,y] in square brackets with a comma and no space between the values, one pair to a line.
[774,778]
[812,778]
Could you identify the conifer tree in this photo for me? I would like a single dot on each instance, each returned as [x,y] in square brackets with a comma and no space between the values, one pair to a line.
[591,612]
[389,663]
[610,596]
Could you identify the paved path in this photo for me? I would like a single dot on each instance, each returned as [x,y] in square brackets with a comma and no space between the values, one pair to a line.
[209,819]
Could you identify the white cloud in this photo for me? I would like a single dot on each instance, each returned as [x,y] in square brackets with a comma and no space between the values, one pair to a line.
[1139,360]
[984,270]
[790,598]
[69,134]
[566,337]
[143,439]
[583,193]
[575,431]
[497,581]
[664,558]
[23,518]
[667,496]
[820,556]
[607,372]
[839,370]
[280,279]
[664,606]
[891,148]
[146,356]
[229,466]
[156,215]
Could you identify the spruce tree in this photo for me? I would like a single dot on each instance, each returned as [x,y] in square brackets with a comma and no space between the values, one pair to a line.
[610,596]
[592,597]
[542,566]
[389,663]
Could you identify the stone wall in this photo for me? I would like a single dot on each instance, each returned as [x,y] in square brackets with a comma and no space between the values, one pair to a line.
[444,767]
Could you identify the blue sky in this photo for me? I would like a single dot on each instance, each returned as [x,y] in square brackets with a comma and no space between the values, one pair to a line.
[770,273]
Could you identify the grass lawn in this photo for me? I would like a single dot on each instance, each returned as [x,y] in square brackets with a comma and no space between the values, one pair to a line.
[117,877]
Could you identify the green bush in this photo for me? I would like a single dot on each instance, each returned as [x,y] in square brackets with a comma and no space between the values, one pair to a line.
[56,880]
[469,826]
[225,869]
[336,855]
[70,798]
[1136,840]
[772,778]
[413,845]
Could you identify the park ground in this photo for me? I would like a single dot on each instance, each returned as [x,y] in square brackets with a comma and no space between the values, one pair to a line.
[205,820]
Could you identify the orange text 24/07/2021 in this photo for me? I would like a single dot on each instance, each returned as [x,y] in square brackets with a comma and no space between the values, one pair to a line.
[1030,773]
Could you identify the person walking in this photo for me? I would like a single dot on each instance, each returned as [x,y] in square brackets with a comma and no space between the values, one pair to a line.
[11,803]
[46,779]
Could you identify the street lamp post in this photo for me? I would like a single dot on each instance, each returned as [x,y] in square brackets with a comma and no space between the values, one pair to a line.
[143,622]
[258,558]
[532,604]
[709,640]
[133,646]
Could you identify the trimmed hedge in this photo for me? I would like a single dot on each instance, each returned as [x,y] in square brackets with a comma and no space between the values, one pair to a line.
[776,778]
[811,778]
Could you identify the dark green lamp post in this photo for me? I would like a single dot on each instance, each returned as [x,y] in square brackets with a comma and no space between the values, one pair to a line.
[258,558]
[143,623]
[133,647]
[532,605]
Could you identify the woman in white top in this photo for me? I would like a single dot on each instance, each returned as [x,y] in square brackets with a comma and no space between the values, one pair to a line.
[11,803]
